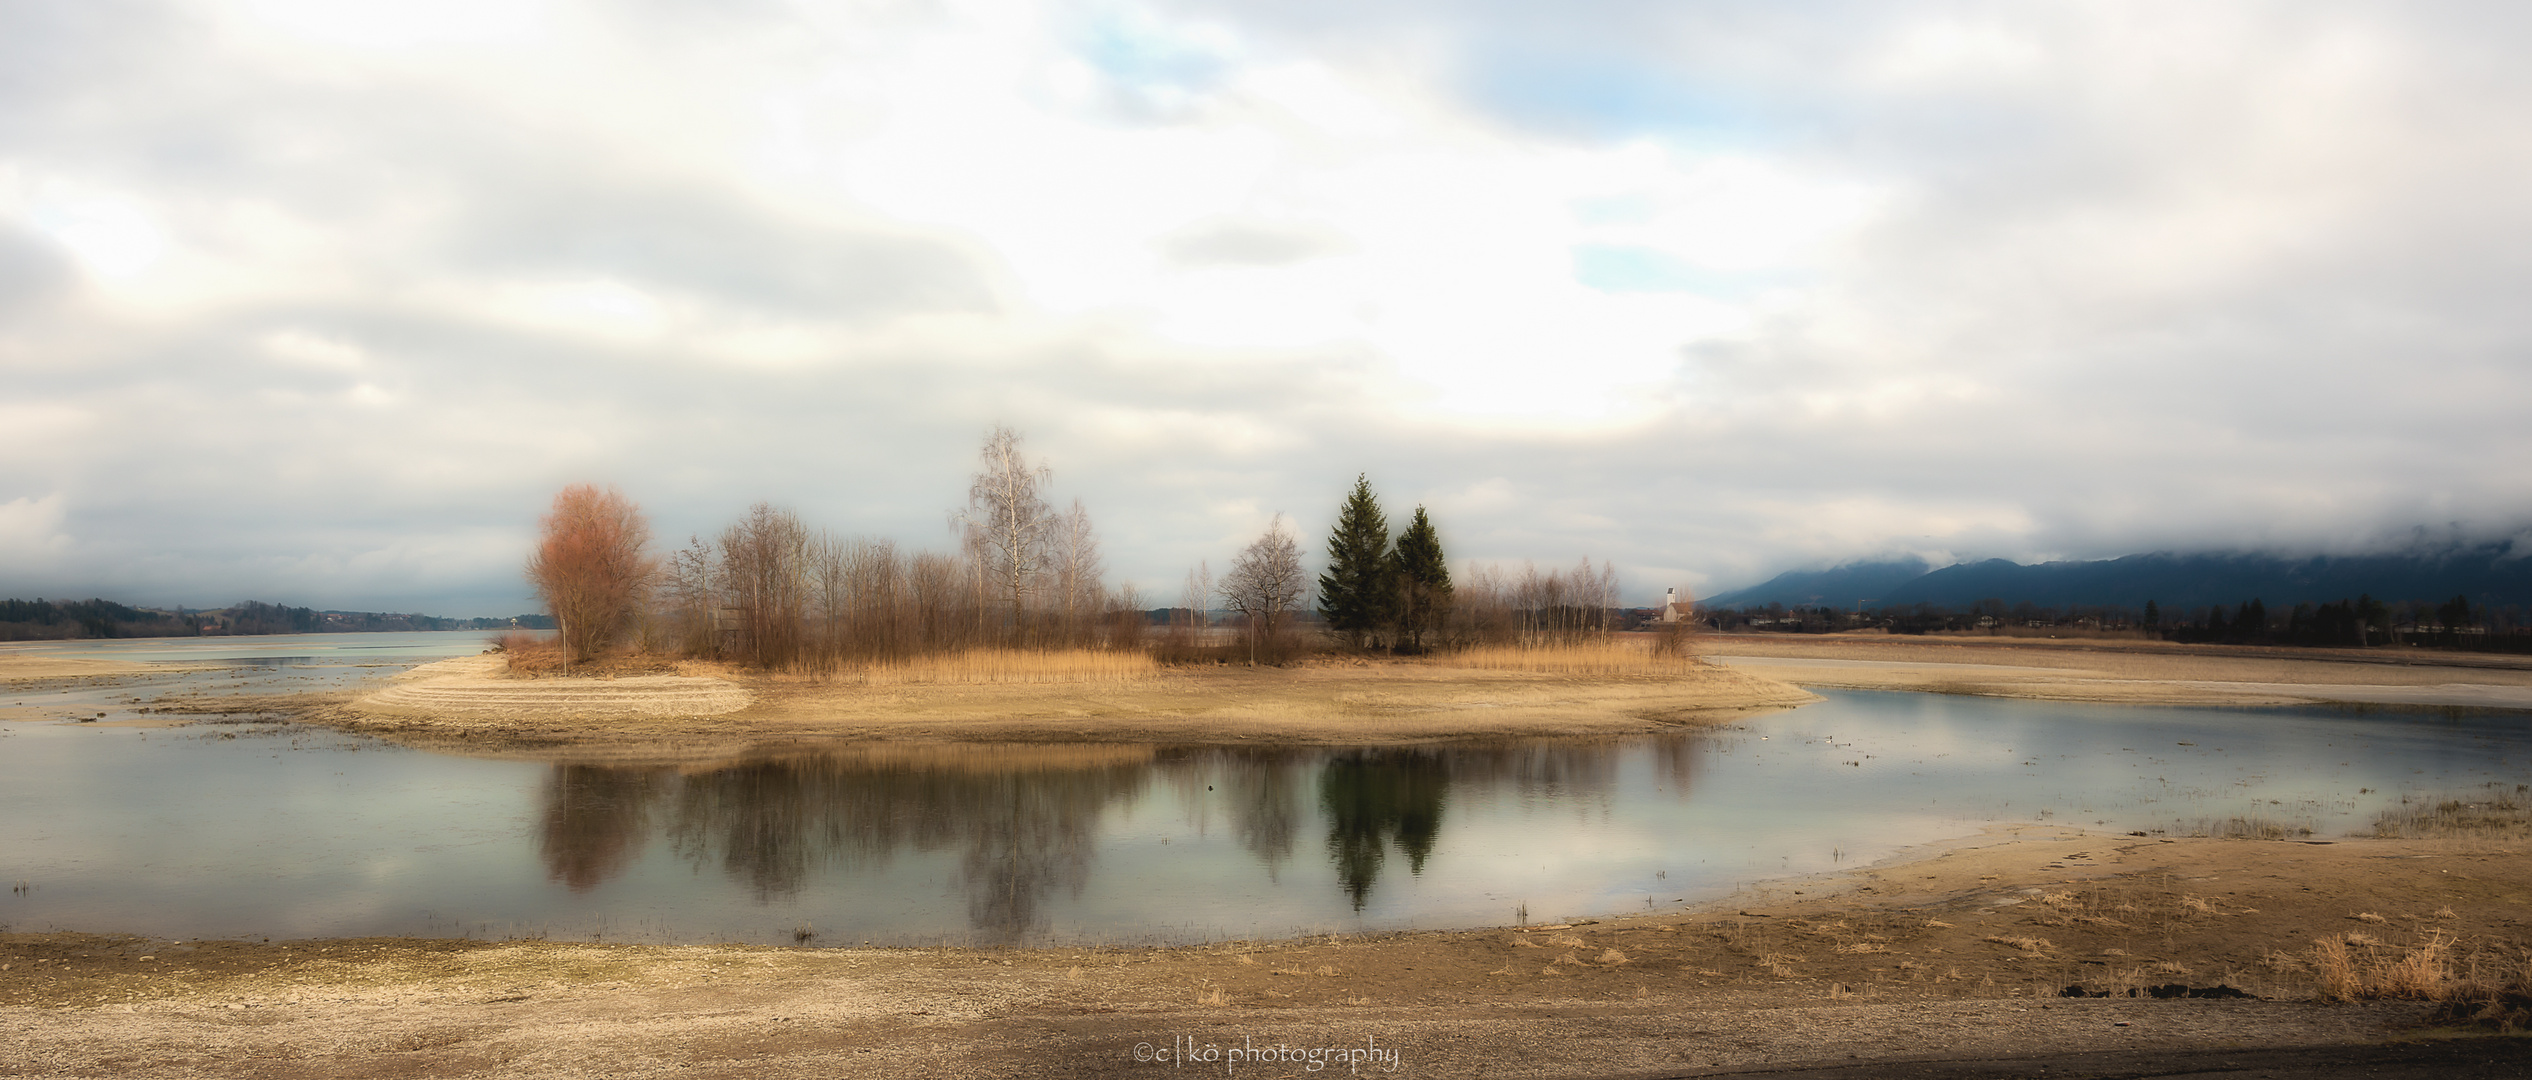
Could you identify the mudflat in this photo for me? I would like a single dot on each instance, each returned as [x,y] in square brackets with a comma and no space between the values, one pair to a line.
[16,668]
[2131,671]
[472,705]
[1959,951]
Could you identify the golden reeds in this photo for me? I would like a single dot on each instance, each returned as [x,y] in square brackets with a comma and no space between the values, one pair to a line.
[2496,811]
[1581,658]
[1007,666]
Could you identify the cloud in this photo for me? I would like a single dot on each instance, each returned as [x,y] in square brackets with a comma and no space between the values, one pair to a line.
[31,528]
[1242,243]
[321,303]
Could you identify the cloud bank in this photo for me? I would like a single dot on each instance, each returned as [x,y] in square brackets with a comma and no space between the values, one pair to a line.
[320,302]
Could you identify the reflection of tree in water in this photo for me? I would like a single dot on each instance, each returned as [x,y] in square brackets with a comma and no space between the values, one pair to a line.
[1025,817]
[1560,771]
[594,822]
[1262,787]
[1373,798]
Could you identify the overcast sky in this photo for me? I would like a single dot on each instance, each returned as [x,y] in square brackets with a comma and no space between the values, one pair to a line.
[320,301]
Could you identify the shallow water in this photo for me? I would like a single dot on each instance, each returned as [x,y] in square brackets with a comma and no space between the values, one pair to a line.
[259,829]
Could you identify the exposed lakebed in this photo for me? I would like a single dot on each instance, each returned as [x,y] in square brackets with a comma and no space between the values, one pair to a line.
[253,829]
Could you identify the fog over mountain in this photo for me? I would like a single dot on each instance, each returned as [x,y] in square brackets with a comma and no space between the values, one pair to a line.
[320,303]
[2491,575]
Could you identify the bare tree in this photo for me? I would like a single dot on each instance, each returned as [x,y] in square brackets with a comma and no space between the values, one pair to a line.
[1075,554]
[591,565]
[765,558]
[1266,585]
[1198,597]
[688,596]
[1006,521]
[1126,618]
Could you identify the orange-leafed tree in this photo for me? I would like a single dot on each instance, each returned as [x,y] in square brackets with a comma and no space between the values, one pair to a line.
[592,566]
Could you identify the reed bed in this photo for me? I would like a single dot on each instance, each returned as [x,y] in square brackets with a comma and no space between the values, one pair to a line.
[996,667]
[2496,811]
[1579,658]
[2252,827]
[2479,985]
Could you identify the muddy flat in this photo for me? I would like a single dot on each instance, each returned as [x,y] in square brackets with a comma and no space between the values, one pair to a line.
[1957,952]
[2130,671]
[468,705]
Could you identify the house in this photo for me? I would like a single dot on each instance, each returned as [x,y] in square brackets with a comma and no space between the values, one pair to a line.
[1677,607]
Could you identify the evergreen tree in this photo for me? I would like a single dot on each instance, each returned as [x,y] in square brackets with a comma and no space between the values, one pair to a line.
[1424,582]
[2153,616]
[1358,593]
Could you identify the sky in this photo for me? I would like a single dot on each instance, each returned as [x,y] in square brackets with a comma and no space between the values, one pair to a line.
[320,301]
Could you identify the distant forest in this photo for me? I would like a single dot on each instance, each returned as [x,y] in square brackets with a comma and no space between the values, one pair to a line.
[59,620]
[2477,597]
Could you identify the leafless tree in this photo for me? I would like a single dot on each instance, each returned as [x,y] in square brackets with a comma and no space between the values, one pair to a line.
[687,598]
[1266,586]
[1199,595]
[1074,548]
[765,559]
[1006,523]
[591,565]
[1127,619]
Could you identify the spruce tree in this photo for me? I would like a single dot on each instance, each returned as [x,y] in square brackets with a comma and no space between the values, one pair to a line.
[1424,582]
[1357,594]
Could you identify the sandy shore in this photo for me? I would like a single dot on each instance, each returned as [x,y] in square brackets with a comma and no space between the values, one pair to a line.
[34,669]
[1953,952]
[466,705]
[2132,672]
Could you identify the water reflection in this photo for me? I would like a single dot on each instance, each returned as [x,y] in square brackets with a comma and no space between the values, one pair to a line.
[1023,819]
[133,830]
[1265,798]
[1374,798]
[595,821]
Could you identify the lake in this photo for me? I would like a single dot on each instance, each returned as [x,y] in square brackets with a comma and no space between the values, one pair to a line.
[253,828]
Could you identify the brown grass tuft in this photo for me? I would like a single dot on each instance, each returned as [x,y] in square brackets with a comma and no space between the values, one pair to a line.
[1588,658]
[1008,666]
[2496,811]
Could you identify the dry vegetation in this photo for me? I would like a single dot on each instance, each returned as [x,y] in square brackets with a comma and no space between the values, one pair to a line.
[2497,811]
[994,667]
[1602,657]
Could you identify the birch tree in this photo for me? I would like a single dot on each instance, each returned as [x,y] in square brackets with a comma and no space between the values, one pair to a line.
[1007,522]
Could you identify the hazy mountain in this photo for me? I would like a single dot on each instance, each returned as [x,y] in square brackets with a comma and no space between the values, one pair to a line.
[2490,574]
[1837,587]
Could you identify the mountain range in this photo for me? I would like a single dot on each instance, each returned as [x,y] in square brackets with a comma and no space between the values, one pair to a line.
[2492,575]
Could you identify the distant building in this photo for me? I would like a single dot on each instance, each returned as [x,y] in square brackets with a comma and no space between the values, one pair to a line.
[1677,607]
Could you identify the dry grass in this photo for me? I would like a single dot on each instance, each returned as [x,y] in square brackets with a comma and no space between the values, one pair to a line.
[2476,984]
[535,656]
[1603,658]
[2493,812]
[532,654]
[981,667]
[2240,828]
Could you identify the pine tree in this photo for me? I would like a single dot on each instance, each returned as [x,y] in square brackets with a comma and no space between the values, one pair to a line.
[1358,592]
[1424,582]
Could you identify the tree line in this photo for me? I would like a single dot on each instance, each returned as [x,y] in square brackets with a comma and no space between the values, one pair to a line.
[58,620]
[2360,622]
[1399,596]
[774,592]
